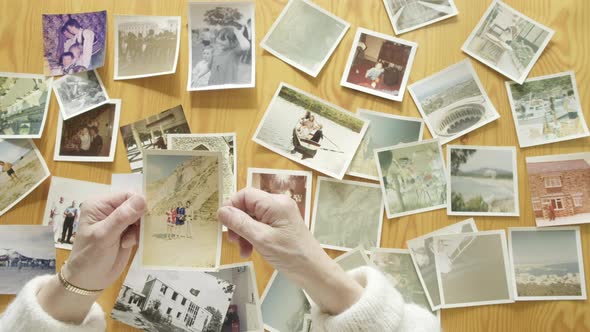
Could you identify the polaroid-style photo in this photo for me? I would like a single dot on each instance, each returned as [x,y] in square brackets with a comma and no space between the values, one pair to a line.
[221,45]
[473,269]
[146,46]
[89,137]
[310,131]
[244,308]
[483,181]
[24,102]
[453,102]
[507,41]
[22,169]
[288,38]
[63,207]
[73,43]
[152,133]
[547,263]
[422,253]
[408,15]
[180,220]
[127,182]
[547,109]
[379,64]
[79,93]
[384,130]
[560,188]
[27,252]
[280,315]
[163,301]
[347,214]
[412,177]
[295,184]
[353,259]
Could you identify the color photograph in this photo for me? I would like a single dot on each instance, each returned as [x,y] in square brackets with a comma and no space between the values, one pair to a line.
[408,15]
[79,93]
[279,314]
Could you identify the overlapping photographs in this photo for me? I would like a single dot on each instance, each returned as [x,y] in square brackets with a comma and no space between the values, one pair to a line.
[310,131]
[408,15]
[347,214]
[280,315]
[221,45]
[297,22]
[483,181]
[412,177]
[547,109]
[507,41]
[24,101]
[379,64]
[146,46]
[353,259]
[453,102]
[180,219]
[79,93]
[547,263]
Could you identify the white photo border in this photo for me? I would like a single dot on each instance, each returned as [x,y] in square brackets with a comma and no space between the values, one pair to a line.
[421,25]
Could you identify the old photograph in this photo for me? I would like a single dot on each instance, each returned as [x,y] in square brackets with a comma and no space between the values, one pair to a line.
[379,64]
[347,214]
[181,221]
[507,41]
[353,259]
[146,46]
[547,263]
[280,314]
[473,269]
[310,131]
[453,102]
[151,133]
[408,15]
[547,109]
[483,181]
[560,188]
[221,45]
[22,169]
[89,137]
[74,43]
[422,253]
[24,102]
[412,177]
[300,20]
[27,252]
[172,301]
[79,93]
[384,130]
[295,184]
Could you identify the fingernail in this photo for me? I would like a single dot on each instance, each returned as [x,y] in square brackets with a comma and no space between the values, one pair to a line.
[224,212]
[137,202]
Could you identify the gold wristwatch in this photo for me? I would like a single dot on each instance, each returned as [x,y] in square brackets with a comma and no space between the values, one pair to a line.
[74,289]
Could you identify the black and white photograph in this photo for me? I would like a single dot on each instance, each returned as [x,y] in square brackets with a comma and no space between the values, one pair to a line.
[79,93]
[353,259]
[24,102]
[146,46]
[27,252]
[289,37]
[408,15]
[222,40]
[284,305]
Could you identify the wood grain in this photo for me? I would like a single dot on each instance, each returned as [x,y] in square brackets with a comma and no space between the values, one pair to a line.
[241,110]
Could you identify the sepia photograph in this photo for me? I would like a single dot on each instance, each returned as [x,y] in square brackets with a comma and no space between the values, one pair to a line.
[24,102]
[483,181]
[384,130]
[27,252]
[89,137]
[347,214]
[453,102]
[151,133]
[353,259]
[408,15]
[289,37]
[412,177]
[473,269]
[547,263]
[559,187]
[181,221]
[547,109]
[507,41]
[379,64]
[310,131]
[221,45]
[284,305]
[22,169]
[146,46]
[79,93]
[74,43]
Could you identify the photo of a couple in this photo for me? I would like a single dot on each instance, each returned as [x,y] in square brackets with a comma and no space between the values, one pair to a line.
[178,221]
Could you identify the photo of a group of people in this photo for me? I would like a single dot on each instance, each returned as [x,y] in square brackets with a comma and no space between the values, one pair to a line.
[79,93]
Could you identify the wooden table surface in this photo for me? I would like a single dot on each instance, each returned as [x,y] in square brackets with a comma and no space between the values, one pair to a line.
[240,110]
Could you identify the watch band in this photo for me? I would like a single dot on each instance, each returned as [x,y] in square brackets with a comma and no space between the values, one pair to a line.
[76,290]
